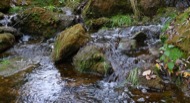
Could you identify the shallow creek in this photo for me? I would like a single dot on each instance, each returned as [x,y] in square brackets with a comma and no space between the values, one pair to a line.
[31,76]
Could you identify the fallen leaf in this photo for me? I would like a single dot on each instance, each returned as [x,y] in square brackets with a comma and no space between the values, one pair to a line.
[153,76]
[186,74]
[147,72]
[148,77]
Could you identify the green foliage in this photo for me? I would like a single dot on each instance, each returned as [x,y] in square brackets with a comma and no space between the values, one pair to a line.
[43,2]
[133,77]
[50,8]
[4,64]
[15,9]
[170,55]
[121,20]
[61,1]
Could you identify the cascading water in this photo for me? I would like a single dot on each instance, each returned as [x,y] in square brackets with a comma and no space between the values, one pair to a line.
[8,20]
[122,63]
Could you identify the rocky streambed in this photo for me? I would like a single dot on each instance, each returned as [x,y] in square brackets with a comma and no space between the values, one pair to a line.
[47,55]
[31,76]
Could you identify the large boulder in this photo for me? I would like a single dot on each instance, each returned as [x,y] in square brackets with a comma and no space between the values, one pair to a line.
[102,8]
[150,7]
[4,5]
[91,59]
[69,42]
[6,40]
[179,32]
[41,21]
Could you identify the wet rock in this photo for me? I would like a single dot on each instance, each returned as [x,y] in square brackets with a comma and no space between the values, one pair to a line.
[41,21]
[6,41]
[69,42]
[178,32]
[153,84]
[91,59]
[4,29]
[126,45]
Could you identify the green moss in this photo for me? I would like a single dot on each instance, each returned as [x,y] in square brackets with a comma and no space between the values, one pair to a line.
[91,59]
[69,41]
[4,64]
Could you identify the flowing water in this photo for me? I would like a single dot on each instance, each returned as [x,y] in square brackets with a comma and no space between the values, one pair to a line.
[29,76]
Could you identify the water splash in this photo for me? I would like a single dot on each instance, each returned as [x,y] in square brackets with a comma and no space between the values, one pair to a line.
[122,63]
[8,20]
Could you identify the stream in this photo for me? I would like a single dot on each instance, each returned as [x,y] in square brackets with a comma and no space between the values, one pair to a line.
[30,76]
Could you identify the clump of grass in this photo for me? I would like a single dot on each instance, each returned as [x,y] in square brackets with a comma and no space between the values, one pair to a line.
[15,9]
[4,64]
[72,3]
[133,77]
[121,20]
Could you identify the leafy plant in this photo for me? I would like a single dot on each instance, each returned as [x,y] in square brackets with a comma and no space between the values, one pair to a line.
[170,55]
[133,76]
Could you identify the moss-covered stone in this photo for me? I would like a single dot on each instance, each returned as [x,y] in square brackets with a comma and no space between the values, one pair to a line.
[100,8]
[69,42]
[40,21]
[6,41]
[91,59]
[96,24]
[4,5]
[107,8]
[179,32]
[150,7]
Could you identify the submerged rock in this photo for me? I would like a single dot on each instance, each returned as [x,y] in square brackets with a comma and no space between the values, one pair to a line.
[69,42]
[91,59]
[6,40]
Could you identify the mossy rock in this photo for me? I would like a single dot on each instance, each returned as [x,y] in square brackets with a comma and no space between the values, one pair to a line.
[100,8]
[179,32]
[96,24]
[4,5]
[91,59]
[40,21]
[150,7]
[6,41]
[69,42]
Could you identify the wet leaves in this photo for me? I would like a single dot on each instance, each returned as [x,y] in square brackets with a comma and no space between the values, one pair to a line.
[149,74]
